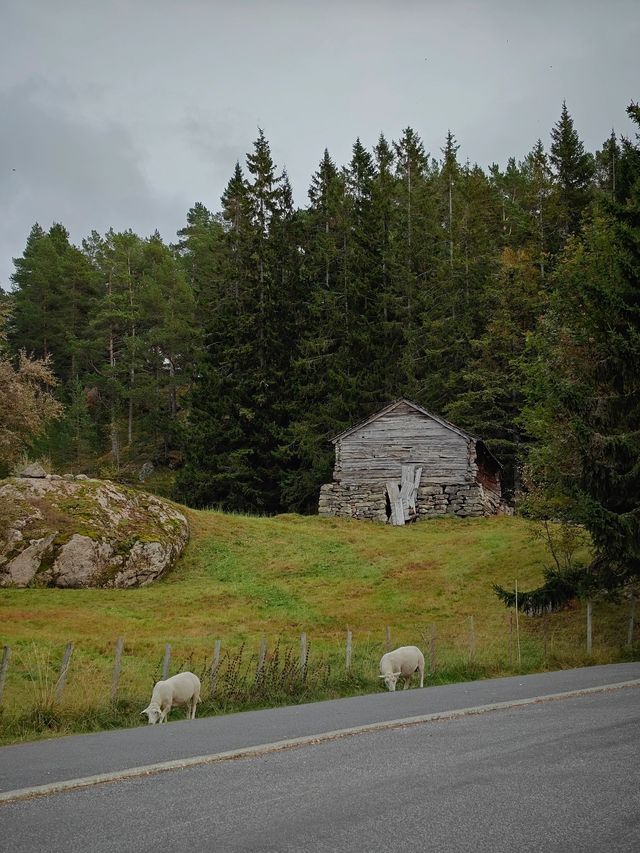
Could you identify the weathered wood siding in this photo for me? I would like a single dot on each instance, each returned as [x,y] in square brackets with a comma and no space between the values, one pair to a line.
[459,477]
[376,453]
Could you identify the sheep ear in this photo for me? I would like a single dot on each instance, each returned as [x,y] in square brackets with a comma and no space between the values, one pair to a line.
[382,676]
[142,713]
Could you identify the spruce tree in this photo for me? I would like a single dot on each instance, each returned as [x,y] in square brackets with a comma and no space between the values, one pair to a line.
[573,170]
[491,403]
[452,297]
[237,421]
[56,291]
[199,250]
[607,167]
[585,390]
[318,375]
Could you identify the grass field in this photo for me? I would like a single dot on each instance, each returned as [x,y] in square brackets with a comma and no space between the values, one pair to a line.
[243,578]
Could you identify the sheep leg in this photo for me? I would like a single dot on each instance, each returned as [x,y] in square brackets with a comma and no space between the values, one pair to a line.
[421,670]
[407,681]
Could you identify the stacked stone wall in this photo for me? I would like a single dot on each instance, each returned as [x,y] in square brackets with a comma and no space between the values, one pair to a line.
[353,501]
[367,501]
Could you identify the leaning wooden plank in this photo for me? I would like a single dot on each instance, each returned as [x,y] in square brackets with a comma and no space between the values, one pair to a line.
[413,493]
[407,492]
[397,511]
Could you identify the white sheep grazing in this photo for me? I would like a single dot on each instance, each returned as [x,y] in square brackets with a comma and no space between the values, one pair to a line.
[402,662]
[181,689]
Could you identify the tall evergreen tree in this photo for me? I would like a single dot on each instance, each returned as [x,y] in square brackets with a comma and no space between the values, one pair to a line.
[56,291]
[607,167]
[318,373]
[237,420]
[409,240]
[573,169]
[199,250]
[491,404]
[585,393]
[453,295]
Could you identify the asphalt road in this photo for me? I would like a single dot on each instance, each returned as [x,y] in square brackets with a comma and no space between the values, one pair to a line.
[42,762]
[558,775]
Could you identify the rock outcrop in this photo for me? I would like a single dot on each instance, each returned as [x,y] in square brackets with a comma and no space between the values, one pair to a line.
[78,532]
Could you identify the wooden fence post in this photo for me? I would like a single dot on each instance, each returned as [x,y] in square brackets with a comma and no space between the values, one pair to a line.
[303,653]
[262,654]
[166,661]
[387,640]
[632,610]
[511,639]
[432,649]
[215,663]
[589,626]
[64,669]
[518,627]
[116,667]
[348,657]
[472,640]
[4,666]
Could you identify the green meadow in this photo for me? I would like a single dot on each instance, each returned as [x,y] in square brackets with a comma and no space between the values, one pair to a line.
[243,580]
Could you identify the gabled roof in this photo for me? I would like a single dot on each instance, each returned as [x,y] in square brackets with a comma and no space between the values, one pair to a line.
[421,411]
[395,405]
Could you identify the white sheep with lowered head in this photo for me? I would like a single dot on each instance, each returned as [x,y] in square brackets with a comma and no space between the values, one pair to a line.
[182,689]
[402,663]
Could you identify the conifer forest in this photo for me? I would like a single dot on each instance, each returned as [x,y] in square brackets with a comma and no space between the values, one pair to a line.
[506,300]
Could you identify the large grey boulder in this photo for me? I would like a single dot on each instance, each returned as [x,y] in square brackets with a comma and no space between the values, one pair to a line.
[34,470]
[82,533]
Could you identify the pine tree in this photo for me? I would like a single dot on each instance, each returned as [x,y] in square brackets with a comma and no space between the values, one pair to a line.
[492,402]
[168,338]
[607,166]
[573,170]
[199,251]
[452,298]
[115,324]
[585,389]
[362,312]
[544,207]
[236,422]
[34,280]
[318,374]
[55,293]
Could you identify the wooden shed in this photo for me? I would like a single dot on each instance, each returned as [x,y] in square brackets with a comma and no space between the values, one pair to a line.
[405,463]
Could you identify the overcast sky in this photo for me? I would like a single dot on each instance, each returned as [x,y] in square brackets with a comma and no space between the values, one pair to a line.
[124,113]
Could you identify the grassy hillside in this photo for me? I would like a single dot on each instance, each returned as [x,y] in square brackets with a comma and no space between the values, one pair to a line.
[245,577]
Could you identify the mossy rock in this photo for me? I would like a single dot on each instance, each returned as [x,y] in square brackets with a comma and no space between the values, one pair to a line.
[78,532]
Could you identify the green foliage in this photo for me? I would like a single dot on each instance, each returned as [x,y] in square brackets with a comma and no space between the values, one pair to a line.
[584,393]
[239,402]
[231,358]
[559,590]
[322,577]
[574,169]
[56,289]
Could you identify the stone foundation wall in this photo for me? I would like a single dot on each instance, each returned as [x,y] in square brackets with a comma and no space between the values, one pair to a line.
[353,501]
[367,501]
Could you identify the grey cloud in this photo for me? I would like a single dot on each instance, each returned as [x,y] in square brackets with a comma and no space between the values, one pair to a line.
[57,168]
[142,108]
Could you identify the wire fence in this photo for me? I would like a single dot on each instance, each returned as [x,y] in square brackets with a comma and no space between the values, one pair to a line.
[46,688]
